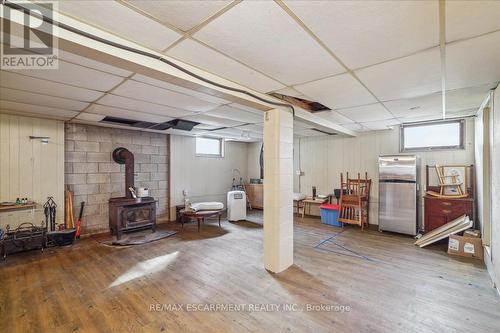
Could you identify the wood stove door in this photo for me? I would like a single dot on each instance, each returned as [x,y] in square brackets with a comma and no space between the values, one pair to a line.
[138,216]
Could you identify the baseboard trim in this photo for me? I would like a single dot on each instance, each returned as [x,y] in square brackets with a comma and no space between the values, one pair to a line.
[491,270]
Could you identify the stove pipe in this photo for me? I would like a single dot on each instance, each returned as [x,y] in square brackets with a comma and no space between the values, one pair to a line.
[124,156]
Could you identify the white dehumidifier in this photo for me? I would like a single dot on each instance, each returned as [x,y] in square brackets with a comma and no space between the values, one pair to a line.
[236,205]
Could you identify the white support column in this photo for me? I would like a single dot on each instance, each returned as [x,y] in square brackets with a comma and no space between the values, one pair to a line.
[278,190]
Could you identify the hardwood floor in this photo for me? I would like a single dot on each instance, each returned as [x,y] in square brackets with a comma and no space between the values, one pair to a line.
[386,283]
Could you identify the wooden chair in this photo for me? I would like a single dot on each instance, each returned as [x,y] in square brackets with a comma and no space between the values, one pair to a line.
[298,207]
[454,185]
[355,200]
[451,181]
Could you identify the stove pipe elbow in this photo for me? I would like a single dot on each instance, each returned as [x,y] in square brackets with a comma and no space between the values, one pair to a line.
[124,156]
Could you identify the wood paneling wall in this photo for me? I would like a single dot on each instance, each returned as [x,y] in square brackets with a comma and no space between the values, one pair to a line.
[29,168]
[323,158]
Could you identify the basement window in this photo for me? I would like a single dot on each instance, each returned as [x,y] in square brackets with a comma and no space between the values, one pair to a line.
[435,135]
[209,147]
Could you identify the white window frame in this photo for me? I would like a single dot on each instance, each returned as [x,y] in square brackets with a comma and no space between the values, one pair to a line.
[221,147]
[460,146]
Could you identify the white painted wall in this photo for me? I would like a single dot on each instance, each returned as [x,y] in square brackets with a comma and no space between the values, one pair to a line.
[323,158]
[493,258]
[205,178]
[483,162]
[29,168]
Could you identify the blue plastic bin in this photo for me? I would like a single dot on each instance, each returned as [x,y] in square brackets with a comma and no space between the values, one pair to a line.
[330,214]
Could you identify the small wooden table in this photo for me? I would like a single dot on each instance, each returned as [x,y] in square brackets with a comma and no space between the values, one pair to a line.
[200,216]
[309,202]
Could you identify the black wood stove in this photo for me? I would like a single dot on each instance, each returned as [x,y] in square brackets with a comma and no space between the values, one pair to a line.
[130,213]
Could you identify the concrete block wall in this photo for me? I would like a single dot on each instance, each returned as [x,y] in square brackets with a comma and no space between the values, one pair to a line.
[94,177]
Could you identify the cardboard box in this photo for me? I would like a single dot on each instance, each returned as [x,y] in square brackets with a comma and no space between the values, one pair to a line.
[470,247]
[473,233]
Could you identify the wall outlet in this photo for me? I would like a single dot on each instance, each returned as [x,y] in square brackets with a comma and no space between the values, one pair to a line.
[185,193]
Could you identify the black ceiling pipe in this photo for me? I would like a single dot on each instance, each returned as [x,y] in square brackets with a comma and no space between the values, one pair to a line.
[124,156]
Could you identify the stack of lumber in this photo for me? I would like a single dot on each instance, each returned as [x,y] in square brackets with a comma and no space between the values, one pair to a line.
[451,228]
[68,210]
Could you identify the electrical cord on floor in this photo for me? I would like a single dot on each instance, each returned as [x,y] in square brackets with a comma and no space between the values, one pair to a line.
[143,53]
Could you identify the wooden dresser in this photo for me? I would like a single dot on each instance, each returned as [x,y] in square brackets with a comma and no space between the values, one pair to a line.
[255,193]
[438,212]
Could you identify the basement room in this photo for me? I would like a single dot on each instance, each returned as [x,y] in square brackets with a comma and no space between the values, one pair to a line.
[250,166]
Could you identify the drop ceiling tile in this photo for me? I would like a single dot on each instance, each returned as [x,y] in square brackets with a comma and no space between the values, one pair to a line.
[235,114]
[362,33]
[355,127]
[252,136]
[86,62]
[90,117]
[300,125]
[237,134]
[249,109]
[179,89]
[463,113]
[473,62]
[466,98]
[174,131]
[338,91]
[75,75]
[412,76]
[22,82]
[264,36]
[141,106]
[419,118]
[184,15]
[214,121]
[456,100]
[203,57]
[233,132]
[381,124]
[255,128]
[166,97]
[202,126]
[289,91]
[466,19]
[417,106]
[334,117]
[365,113]
[36,109]
[127,114]
[308,132]
[122,21]
[20,96]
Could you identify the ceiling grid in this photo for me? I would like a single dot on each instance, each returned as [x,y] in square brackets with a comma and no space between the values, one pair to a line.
[452,56]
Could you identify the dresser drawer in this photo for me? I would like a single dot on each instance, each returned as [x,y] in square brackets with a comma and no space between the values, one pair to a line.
[438,212]
[452,211]
[448,207]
